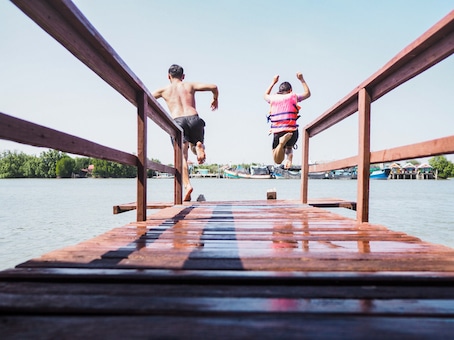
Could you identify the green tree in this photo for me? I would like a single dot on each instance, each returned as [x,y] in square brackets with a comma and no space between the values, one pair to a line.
[445,168]
[31,166]
[48,165]
[65,167]
[11,164]
[81,163]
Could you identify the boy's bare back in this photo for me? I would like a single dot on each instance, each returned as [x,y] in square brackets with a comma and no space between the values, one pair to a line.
[180,97]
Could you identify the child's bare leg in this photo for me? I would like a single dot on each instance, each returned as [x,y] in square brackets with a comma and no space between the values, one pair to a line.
[186,183]
[200,151]
[279,151]
[289,154]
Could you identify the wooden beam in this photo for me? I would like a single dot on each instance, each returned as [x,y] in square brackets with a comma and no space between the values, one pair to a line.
[434,147]
[160,167]
[364,101]
[24,132]
[121,208]
[334,165]
[305,167]
[142,156]
[178,179]
[63,21]
[433,46]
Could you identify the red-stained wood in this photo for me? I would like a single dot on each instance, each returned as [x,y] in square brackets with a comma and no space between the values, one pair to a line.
[362,212]
[247,269]
[434,147]
[253,235]
[64,22]
[22,131]
[305,167]
[429,49]
[142,119]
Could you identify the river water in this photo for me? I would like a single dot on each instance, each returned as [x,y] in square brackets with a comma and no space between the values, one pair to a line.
[40,215]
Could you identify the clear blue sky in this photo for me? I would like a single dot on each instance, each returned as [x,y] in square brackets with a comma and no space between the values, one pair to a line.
[239,45]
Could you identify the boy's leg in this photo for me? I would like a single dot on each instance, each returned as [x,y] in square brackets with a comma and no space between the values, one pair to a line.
[289,154]
[279,151]
[186,183]
[200,152]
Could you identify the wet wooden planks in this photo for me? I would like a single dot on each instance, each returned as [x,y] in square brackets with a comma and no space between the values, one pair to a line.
[256,235]
[268,269]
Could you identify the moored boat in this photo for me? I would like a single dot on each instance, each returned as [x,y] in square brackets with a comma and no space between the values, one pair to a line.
[255,173]
[380,173]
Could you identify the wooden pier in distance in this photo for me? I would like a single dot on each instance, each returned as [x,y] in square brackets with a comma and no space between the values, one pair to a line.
[266,269]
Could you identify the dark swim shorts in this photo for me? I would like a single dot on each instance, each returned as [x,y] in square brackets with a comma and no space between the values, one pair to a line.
[291,142]
[193,128]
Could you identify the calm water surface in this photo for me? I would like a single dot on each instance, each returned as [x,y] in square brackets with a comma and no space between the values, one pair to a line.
[40,215]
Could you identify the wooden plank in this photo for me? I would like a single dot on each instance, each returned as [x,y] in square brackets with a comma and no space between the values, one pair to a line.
[132,300]
[263,326]
[321,203]
[117,209]
[65,23]
[253,236]
[364,101]
[434,147]
[141,193]
[332,203]
[22,131]
[259,267]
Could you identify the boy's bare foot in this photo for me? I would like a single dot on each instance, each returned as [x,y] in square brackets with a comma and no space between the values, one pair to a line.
[285,138]
[187,196]
[200,149]
[288,165]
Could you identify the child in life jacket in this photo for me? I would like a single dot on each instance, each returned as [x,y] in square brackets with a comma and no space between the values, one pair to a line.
[283,115]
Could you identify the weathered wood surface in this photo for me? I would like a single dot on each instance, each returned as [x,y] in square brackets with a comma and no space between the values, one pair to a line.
[252,269]
[320,203]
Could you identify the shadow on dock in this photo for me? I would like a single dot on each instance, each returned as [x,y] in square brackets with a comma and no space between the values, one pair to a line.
[268,269]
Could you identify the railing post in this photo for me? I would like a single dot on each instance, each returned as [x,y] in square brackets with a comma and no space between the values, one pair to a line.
[305,167]
[142,105]
[178,159]
[362,209]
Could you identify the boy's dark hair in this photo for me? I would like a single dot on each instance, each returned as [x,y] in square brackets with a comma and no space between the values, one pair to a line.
[176,71]
[285,87]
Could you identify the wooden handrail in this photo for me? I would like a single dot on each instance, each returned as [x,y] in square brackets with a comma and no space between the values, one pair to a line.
[62,20]
[24,132]
[432,47]
[426,51]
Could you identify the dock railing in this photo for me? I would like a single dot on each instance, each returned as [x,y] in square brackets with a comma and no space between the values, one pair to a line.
[62,20]
[432,47]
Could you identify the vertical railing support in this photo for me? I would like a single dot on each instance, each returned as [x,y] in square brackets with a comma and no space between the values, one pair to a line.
[362,209]
[305,167]
[178,158]
[142,105]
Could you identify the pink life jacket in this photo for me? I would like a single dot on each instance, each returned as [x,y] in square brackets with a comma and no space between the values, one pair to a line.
[284,112]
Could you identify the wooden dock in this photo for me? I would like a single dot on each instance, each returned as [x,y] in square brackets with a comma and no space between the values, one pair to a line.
[268,269]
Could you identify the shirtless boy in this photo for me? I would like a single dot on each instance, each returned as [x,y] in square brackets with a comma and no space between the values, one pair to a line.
[180,99]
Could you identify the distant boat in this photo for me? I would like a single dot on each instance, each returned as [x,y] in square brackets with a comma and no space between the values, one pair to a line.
[230,173]
[318,175]
[343,174]
[260,172]
[256,173]
[380,173]
[292,173]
